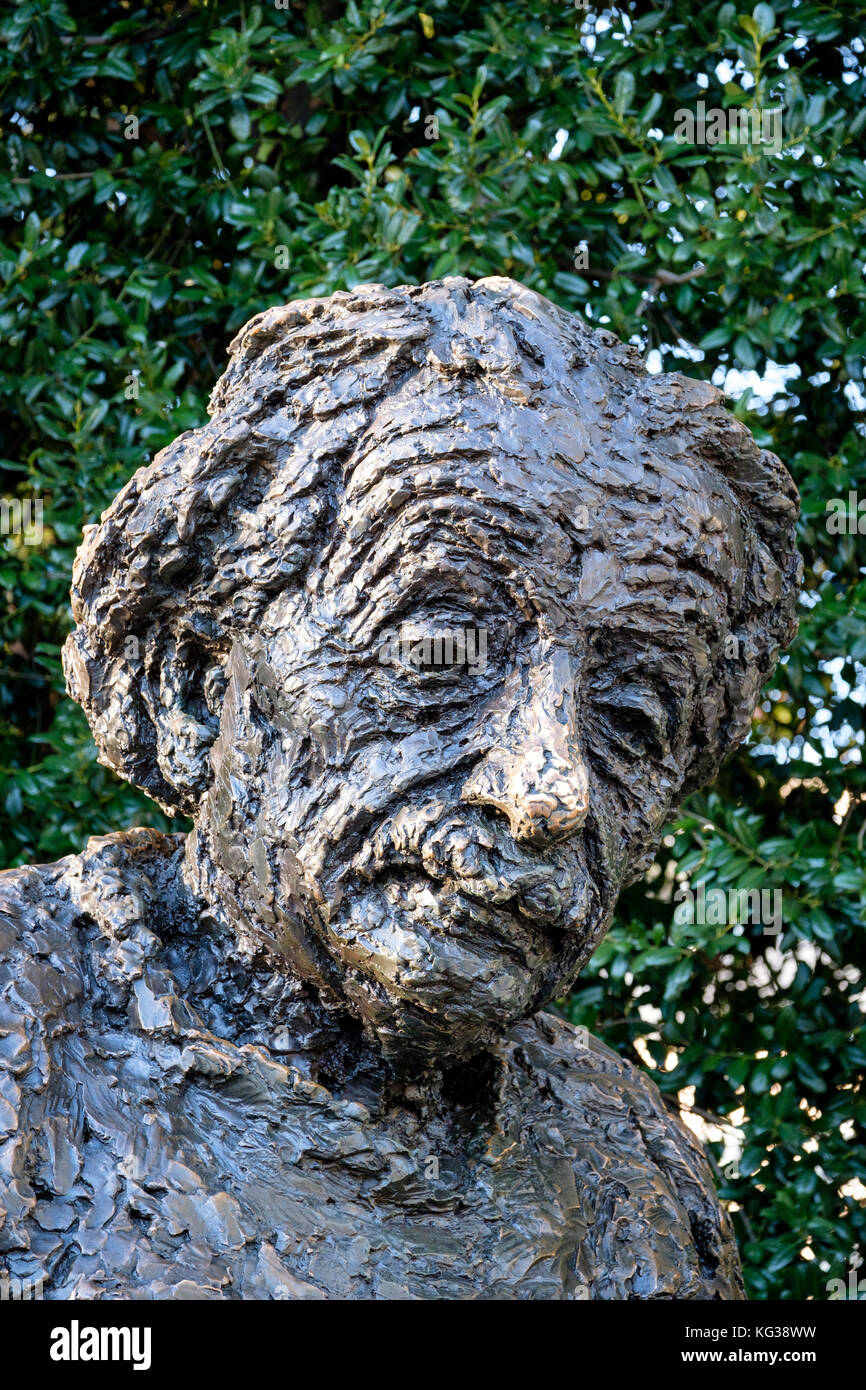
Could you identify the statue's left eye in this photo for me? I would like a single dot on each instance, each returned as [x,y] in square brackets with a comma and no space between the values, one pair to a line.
[635,719]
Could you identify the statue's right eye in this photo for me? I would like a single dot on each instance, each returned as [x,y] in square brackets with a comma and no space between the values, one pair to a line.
[425,650]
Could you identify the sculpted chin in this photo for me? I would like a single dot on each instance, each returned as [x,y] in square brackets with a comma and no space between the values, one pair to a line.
[429,629]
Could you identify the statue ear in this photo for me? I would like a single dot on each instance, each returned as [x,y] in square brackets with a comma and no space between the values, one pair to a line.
[183,691]
[153,703]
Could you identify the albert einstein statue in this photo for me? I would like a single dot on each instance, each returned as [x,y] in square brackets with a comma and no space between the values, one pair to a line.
[429,630]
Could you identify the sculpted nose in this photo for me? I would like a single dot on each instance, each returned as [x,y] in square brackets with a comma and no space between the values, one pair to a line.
[534,773]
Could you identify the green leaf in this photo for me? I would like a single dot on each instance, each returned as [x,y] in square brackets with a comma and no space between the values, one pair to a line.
[744,351]
[623,91]
[765,20]
[239,123]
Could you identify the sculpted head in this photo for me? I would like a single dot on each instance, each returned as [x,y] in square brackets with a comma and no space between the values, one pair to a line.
[435,839]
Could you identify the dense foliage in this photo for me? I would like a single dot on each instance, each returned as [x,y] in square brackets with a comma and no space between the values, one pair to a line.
[167,170]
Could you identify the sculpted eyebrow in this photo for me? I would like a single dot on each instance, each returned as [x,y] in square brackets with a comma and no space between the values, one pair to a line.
[667,678]
[392,600]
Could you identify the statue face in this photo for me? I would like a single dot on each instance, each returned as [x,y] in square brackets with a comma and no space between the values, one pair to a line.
[441,843]
[465,599]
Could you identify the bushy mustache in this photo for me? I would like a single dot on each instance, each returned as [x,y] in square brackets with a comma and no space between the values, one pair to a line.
[477,856]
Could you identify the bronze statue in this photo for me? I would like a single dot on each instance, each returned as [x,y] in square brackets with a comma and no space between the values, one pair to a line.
[429,630]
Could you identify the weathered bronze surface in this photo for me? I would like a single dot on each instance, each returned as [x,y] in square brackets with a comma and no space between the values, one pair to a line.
[429,629]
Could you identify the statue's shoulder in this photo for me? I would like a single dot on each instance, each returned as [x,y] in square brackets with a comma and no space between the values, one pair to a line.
[48,910]
[572,1058]
[566,1069]
[636,1165]
[38,972]
[69,933]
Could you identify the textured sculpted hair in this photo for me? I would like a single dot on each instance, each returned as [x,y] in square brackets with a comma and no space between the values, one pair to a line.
[199,542]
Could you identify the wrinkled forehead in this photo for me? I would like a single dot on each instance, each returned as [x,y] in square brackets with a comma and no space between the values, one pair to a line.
[562,500]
